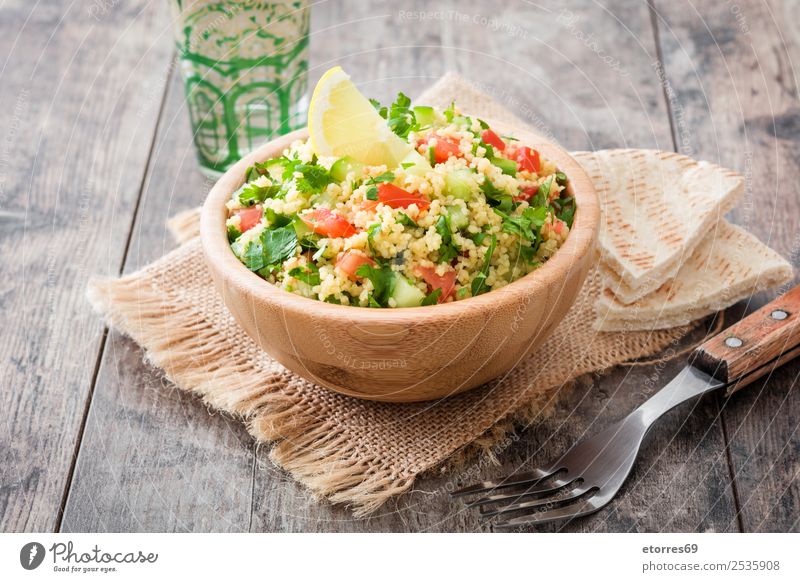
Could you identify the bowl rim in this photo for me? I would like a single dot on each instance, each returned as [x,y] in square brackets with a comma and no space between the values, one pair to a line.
[581,239]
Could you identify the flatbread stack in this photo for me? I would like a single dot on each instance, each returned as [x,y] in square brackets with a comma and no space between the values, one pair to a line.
[668,256]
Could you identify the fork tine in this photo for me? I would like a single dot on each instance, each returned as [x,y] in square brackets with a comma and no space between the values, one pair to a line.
[539,489]
[530,477]
[588,506]
[572,495]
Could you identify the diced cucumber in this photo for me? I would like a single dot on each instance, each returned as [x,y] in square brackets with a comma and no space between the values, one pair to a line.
[459,183]
[420,165]
[344,166]
[507,166]
[458,217]
[405,294]
[424,114]
[324,198]
[301,229]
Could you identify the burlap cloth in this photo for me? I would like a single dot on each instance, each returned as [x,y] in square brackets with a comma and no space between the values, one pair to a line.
[350,451]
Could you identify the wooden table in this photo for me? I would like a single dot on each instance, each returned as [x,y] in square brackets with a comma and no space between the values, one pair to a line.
[96,154]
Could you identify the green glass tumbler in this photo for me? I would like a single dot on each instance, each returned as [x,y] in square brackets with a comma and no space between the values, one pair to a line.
[245,71]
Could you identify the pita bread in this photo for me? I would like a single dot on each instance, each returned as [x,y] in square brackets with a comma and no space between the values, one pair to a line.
[657,207]
[729,265]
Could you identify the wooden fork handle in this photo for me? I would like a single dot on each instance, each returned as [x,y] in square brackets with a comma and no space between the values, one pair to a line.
[758,344]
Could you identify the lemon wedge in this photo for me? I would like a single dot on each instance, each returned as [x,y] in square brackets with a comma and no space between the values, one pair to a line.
[342,122]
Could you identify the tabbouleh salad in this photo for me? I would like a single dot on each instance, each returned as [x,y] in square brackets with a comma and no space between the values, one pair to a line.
[466,212]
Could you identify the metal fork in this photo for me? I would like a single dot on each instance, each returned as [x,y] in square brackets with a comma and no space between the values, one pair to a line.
[591,473]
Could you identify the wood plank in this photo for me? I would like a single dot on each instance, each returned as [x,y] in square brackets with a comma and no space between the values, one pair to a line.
[539,65]
[73,154]
[736,103]
[154,458]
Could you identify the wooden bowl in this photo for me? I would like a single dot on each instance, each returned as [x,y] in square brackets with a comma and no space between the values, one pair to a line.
[407,354]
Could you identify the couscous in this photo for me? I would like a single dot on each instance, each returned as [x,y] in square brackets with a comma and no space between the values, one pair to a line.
[468,211]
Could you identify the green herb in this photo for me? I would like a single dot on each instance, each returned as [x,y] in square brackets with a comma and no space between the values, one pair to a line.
[279,244]
[561,179]
[432,298]
[271,248]
[401,118]
[251,194]
[482,123]
[385,177]
[478,238]
[372,232]
[526,225]
[489,150]
[567,213]
[461,293]
[315,178]
[332,299]
[497,197]
[432,155]
[448,250]
[405,220]
[308,274]
[372,193]
[407,165]
[479,282]
[382,278]
[233,233]
[275,220]
[509,137]
[450,112]
[540,199]
[382,111]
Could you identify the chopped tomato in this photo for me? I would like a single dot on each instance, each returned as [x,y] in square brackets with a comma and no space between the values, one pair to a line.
[395,197]
[324,222]
[491,138]
[446,282]
[443,149]
[558,226]
[528,159]
[249,217]
[526,194]
[350,261]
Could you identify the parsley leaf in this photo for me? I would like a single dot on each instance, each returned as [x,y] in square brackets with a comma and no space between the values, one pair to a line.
[251,194]
[315,178]
[479,282]
[401,118]
[233,233]
[382,278]
[432,298]
[385,177]
[526,225]
[382,111]
[308,274]
[405,220]
[448,250]
[497,197]
[279,244]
